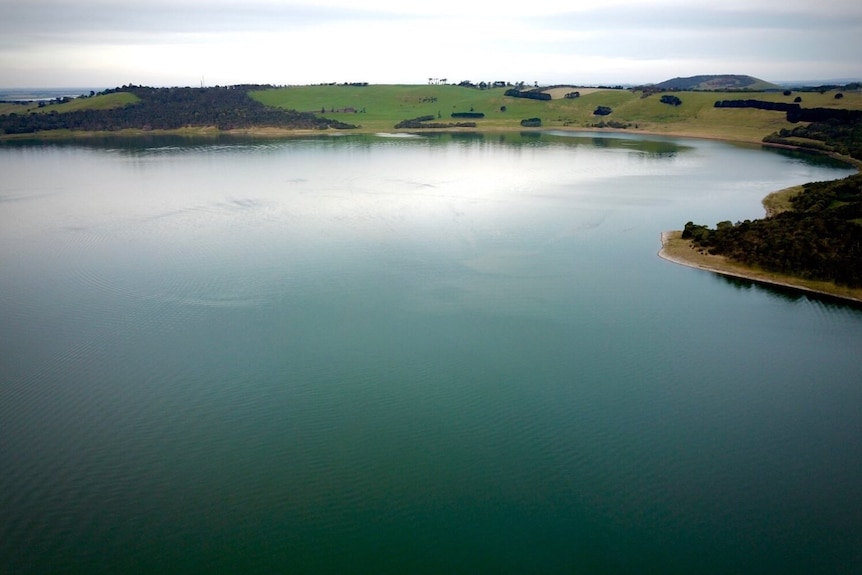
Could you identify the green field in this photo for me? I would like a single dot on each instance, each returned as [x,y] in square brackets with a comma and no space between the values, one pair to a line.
[380,107]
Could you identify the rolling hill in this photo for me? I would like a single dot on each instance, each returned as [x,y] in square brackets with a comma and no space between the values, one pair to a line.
[718,82]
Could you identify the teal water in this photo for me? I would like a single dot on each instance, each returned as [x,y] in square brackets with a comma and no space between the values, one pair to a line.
[448,354]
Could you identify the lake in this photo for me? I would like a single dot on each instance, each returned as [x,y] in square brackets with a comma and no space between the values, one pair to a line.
[440,354]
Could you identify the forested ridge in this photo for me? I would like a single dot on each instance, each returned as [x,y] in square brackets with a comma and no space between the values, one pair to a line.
[820,238]
[225,108]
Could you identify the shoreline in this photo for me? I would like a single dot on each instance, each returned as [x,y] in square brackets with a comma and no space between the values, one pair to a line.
[265,132]
[276,132]
[676,250]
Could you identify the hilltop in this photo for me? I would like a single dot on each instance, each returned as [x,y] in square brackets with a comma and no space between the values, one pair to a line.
[716,82]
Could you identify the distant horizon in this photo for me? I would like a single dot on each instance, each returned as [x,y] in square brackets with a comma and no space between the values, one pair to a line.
[77,89]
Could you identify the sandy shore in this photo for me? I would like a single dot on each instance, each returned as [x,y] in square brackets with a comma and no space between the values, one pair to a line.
[679,251]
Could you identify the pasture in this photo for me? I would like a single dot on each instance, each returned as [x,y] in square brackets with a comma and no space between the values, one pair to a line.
[380,107]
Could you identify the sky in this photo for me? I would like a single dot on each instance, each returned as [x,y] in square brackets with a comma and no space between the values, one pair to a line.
[110,43]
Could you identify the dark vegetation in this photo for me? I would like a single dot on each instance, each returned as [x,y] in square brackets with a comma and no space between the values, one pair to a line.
[225,108]
[611,124]
[468,114]
[830,136]
[529,94]
[427,122]
[819,239]
[671,100]
[531,123]
[489,85]
[828,129]
[602,111]
[795,112]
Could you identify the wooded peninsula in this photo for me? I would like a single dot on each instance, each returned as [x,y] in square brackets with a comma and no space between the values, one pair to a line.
[815,237]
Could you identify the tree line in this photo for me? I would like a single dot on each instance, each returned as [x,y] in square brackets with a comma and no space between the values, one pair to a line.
[795,112]
[225,108]
[529,94]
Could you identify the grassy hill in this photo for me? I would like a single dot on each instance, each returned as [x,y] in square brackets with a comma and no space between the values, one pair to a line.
[380,107]
[718,82]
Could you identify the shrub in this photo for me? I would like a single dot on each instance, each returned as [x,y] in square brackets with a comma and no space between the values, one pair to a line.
[602,111]
[531,123]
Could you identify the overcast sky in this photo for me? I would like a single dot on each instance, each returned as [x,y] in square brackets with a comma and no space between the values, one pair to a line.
[109,43]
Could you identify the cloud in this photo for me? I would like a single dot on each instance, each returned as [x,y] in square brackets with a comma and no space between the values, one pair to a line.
[106,42]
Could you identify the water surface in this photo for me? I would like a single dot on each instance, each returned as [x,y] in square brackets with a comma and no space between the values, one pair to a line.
[432,354]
